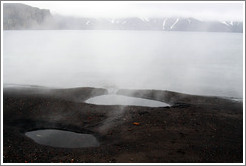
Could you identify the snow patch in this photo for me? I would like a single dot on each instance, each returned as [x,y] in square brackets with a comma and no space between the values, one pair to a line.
[189,21]
[174,23]
[123,22]
[87,22]
[226,23]
[163,24]
[144,19]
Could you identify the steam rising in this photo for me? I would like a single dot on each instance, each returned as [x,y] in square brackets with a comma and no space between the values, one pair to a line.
[190,62]
[113,119]
[123,100]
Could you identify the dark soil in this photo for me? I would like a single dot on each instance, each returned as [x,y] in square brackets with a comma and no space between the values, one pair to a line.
[194,129]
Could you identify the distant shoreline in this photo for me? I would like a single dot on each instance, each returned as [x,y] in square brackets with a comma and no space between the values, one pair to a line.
[114,30]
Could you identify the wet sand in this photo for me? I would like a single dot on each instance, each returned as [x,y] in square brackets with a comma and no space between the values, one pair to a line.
[198,129]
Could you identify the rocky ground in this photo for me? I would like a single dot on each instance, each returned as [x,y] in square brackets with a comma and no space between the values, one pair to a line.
[194,129]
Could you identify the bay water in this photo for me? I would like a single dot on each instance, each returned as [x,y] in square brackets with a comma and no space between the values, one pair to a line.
[199,63]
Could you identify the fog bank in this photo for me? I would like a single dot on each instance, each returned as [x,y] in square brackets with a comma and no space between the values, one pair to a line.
[195,63]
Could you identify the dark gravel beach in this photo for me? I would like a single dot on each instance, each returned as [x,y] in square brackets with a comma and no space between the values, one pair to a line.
[195,129]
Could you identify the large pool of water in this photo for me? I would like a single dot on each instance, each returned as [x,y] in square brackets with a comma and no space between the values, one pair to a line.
[62,139]
[188,62]
[113,99]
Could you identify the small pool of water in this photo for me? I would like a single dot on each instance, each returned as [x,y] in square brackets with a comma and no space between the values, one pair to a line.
[113,99]
[63,139]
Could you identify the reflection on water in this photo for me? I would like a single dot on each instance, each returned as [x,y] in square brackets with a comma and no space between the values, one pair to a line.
[63,139]
[124,100]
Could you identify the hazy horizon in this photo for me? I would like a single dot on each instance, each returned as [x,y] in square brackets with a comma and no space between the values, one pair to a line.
[120,9]
[190,62]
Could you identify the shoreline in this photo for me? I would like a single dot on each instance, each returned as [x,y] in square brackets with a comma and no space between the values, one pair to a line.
[196,129]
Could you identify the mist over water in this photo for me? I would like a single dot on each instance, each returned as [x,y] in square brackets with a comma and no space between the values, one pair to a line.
[189,62]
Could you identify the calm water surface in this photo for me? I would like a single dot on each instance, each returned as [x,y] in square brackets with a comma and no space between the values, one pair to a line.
[112,99]
[188,62]
[62,139]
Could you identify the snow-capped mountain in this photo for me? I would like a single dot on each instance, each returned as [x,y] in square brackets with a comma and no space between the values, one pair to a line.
[20,16]
[162,24]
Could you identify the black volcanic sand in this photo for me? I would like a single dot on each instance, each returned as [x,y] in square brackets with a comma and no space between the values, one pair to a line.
[194,129]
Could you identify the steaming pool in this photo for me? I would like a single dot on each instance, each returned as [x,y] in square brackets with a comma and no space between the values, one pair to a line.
[113,99]
[62,138]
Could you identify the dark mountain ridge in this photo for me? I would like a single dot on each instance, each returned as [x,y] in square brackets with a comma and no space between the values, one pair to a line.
[18,16]
[23,17]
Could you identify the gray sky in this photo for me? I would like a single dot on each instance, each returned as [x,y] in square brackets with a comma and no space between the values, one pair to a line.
[202,10]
